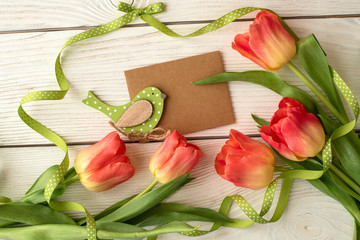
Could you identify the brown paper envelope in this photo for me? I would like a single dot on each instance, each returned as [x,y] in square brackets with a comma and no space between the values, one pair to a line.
[188,107]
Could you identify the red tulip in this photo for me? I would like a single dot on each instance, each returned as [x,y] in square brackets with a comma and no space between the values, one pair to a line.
[174,158]
[245,162]
[267,43]
[104,165]
[293,132]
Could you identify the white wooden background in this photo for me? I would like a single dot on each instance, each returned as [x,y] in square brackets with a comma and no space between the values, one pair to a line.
[31,35]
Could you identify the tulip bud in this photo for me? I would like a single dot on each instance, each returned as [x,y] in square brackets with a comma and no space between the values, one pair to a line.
[245,162]
[267,43]
[293,132]
[174,158]
[104,165]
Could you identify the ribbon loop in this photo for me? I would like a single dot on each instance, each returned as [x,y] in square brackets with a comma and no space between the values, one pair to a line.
[150,9]
[124,7]
[153,8]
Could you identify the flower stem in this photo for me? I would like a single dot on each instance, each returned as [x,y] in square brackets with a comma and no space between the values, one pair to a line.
[343,176]
[316,91]
[281,169]
[147,189]
[72,180]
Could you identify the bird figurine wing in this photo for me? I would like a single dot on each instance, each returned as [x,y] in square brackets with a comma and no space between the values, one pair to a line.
[137,113]
[141,114]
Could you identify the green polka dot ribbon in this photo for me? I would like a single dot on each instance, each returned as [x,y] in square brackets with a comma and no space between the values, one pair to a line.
[250,212]
[346,128]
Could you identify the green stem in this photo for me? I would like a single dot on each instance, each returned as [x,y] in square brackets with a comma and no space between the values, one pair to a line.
[316,91]
[281,169]
[71,180]
[147,189]
[343,176]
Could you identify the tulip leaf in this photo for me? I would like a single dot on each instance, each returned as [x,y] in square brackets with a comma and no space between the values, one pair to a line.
[168,212]
[75,232]
[341,184]
[313,60]
[108,210]
[32,214]
[168,217]
[36,192]
[145,202]
[259,120]
[269,80]
[327,185]
[346,148]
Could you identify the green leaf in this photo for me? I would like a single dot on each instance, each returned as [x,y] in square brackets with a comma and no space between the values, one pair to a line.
[341,184]
[32,214]
[75,232]
[168,212]
[346,148]
[259,121]
[269,80]
[36,192]
[164,218]
[313,60]
[327,185]
[108,210]
[145,202]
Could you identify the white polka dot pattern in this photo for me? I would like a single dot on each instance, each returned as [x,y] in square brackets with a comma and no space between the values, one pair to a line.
[347,93]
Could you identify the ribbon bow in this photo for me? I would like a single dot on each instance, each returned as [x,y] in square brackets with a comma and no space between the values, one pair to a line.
[150,9]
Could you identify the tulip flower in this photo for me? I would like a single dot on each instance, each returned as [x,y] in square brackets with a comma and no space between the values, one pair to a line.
[293,132]
[245,162]
[104,165]
[174,158]
[267,43]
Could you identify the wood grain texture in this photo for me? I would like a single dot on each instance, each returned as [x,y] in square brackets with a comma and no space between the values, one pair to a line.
[309,214]
[15,15]
[33,32]
[27,60]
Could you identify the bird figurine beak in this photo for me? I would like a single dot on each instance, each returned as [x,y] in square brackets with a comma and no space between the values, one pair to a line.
[163,95]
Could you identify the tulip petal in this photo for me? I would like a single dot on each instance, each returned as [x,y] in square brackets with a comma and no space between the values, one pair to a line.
[303,133]
[288,102]
[109,176]
[166,150]
[241,44]
[250,146]
[256,173]
[271,43]
[272,140]
[183,160]
[100,153]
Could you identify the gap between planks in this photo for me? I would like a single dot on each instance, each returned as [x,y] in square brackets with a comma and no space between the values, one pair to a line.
[202,138]
[172,23]
[125,141]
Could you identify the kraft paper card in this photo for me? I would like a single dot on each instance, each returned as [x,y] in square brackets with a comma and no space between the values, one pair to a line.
[188,107]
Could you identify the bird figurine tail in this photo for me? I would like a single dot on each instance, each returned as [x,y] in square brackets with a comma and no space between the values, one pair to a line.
[110,111]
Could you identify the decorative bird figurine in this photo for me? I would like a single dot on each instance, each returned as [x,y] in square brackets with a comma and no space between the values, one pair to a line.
[141,114]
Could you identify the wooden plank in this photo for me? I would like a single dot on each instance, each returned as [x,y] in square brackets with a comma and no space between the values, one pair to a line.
[23,14]
[309,215]
[27,64]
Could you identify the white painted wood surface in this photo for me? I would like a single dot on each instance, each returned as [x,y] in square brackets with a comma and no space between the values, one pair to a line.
[29,46]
